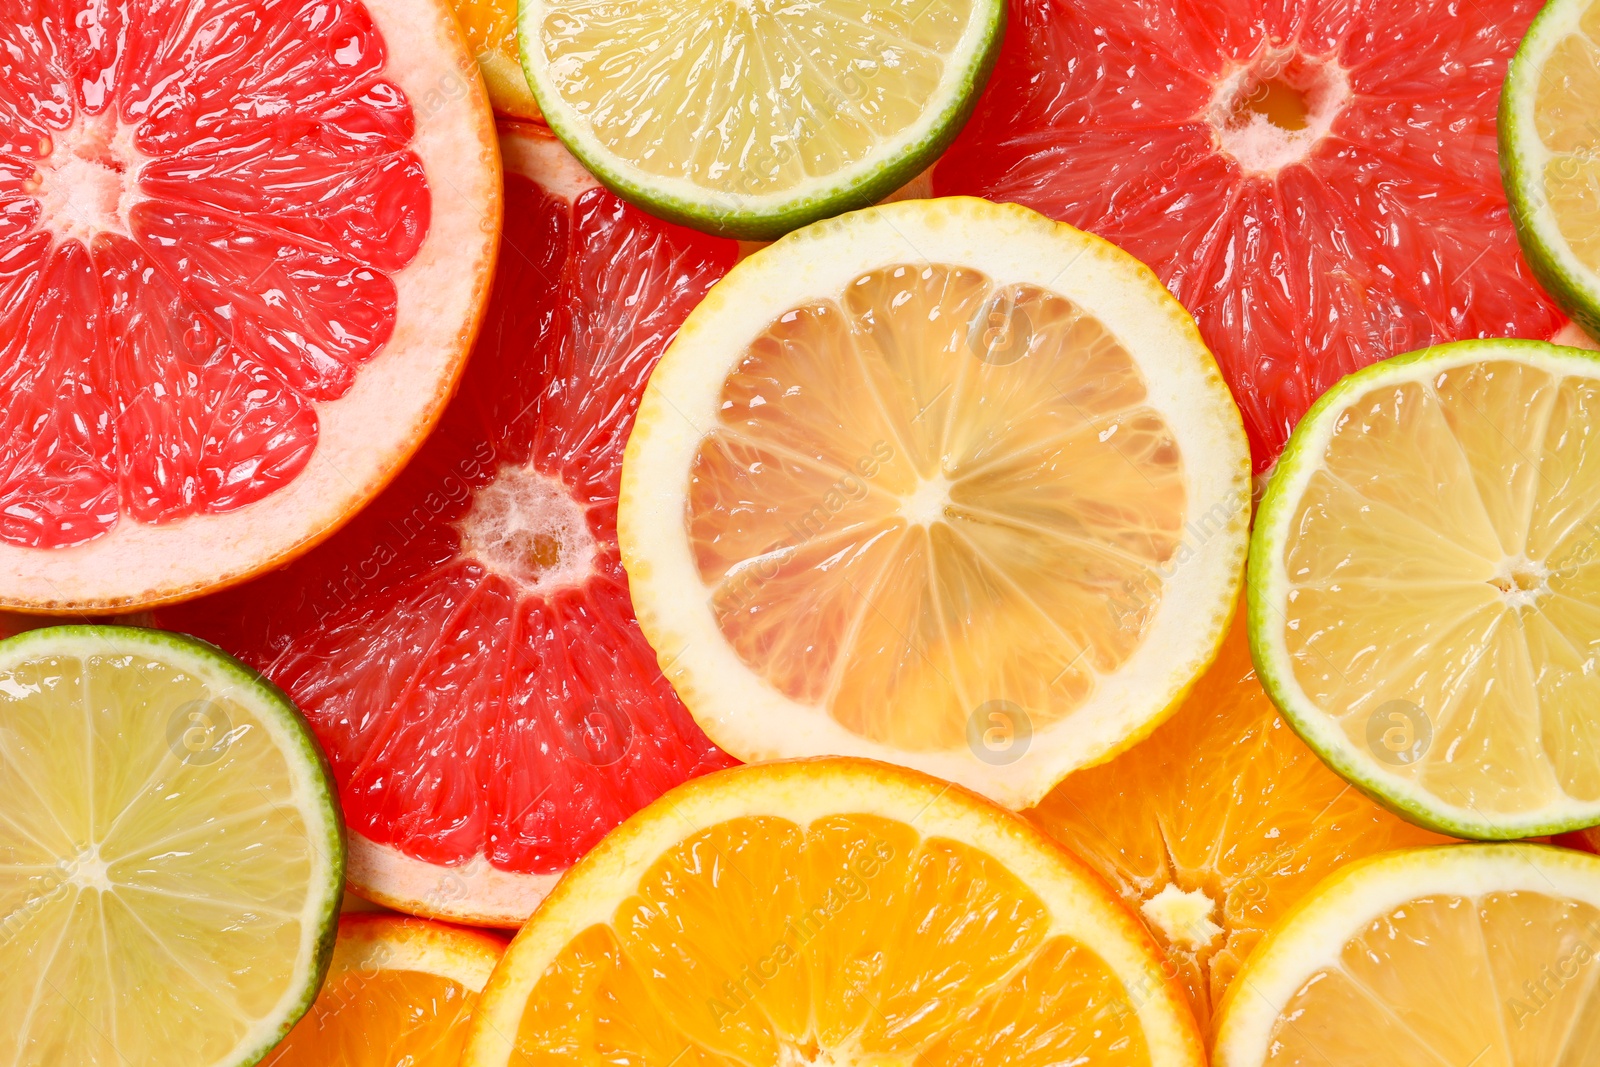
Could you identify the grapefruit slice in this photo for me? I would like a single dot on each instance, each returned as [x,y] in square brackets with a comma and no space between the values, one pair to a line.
[1469,955]
[941,483]
[1316,182]
[398,992]
[466,649]
[243,253]
[831,911]
[1218,824]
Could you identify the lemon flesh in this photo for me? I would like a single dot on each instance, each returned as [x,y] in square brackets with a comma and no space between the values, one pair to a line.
[171,857]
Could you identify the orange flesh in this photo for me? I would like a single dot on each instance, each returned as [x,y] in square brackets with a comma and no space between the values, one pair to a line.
[1226,801]
[1506,978]
[762,943]
[921,498]
[380,1018]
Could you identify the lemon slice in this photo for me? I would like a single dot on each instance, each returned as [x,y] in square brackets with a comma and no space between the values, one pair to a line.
[752,117]
[171,854]
[830,912]
[942,483]
[1550,153]
[1432,957]
[1425,586]
[400,991]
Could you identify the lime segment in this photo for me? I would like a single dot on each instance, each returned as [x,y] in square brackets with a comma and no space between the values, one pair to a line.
[171,855]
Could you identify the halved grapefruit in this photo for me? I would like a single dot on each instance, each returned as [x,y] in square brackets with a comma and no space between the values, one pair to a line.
[243,253]
[1316,182]
[466,649]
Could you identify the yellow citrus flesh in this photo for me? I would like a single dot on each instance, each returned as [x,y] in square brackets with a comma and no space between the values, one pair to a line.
[1217,824]
[865,927]
[1485,957]
[1438,602]
[399,991]
[1564,107]
[900,528]
[491,29]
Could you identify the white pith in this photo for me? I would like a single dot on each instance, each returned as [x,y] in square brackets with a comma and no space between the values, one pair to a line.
[1314,934]
[1271,589]
[735,706]
[520,510]
[1259,145]
[372,943]
[88,183]
[364,436]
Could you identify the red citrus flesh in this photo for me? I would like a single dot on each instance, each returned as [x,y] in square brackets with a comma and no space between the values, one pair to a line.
[466,649]
[215,219]
[1315,180]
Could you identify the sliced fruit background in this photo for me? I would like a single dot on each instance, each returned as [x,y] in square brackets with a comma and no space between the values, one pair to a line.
[1216,826]
[1317,182]
[466,650]
[239,272]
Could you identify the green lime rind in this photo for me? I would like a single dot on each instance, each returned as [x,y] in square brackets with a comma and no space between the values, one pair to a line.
[721,213]
[1266,582]
[247,686]
[1573,285]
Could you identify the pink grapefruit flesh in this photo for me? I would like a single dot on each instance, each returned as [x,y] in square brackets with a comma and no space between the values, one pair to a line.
[466,649]
[243,252]
[1315,180]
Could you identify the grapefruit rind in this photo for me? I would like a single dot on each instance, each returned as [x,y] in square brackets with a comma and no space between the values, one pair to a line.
[803,791]
[765,217]
[1343,905]
[365,436]
[474,892]
[750,719]
[1523,157]
[313,786]
[1267,589]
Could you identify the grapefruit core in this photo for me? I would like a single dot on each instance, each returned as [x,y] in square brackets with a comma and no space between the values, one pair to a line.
[1317,183]
[466,649]
[243,253]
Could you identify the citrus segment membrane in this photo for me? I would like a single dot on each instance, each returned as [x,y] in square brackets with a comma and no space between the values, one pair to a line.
[1425,598]
[1316,182]
[466,650]
[1215,826]
[931,483]
[1481,954]
[214,220]
[399,991]
[897,524]
[171,857]
[870,924]
[752,118]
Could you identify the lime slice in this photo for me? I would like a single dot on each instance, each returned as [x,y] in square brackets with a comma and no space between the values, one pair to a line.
[1425,586]
[171,853]
[1480,955]
[1550,153]
[751,117]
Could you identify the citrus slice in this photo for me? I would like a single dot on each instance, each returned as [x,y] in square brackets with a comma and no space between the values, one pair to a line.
[243,253]
[1316,182]
[830,911]
[491,29]
[171,856]
[466,650]
[751,119]
[1548,144]
[942,483]
[1424,595]
[1428,957]
[1217,824]
[399,991]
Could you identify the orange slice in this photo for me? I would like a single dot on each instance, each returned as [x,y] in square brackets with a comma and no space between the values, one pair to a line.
[491,29]
[399,991]
[1480,955]
[941,483]
[1215,826]
[831,911]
